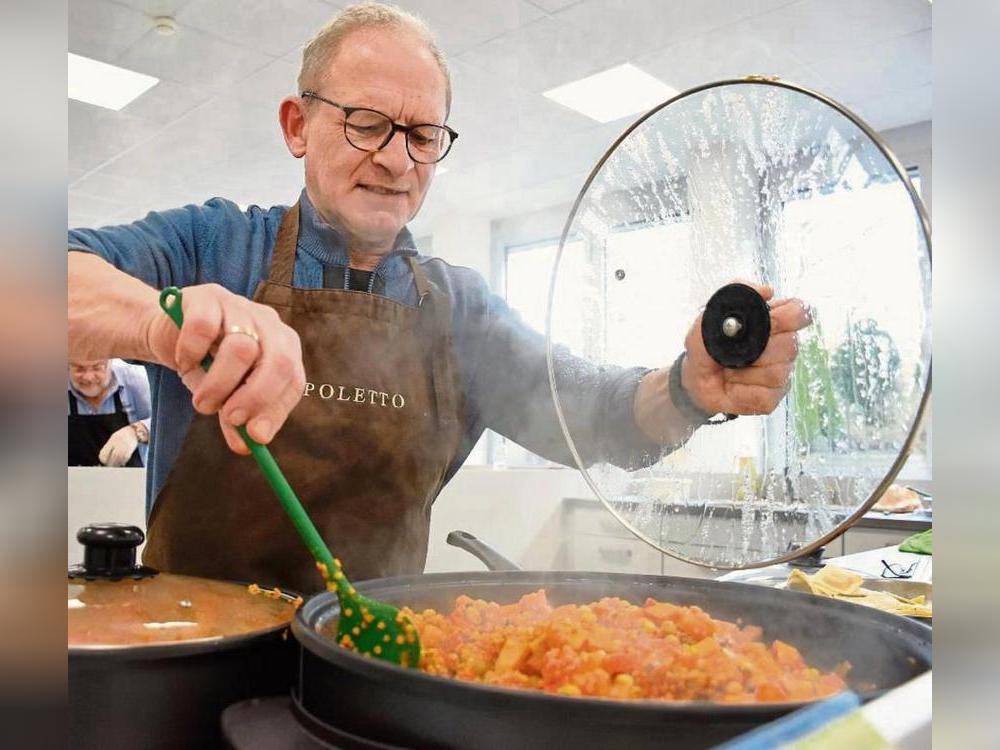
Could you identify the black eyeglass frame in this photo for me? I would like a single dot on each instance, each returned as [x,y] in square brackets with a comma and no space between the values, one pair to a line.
[395,128]
[898,570]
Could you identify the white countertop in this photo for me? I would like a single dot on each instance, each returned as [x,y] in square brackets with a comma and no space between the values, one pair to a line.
[868,564]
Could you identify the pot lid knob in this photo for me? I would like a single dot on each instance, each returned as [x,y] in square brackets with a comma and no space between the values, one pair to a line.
[736,325]
[109,553]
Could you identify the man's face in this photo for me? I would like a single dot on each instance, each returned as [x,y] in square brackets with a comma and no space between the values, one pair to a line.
[90,378]
[372,195]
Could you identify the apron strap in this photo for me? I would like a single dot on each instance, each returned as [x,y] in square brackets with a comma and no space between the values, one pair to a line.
[283,256]
[420,281]
[438,318]
[119,407]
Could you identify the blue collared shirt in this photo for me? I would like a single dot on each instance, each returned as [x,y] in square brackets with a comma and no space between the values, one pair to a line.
[501,360]
[131,382]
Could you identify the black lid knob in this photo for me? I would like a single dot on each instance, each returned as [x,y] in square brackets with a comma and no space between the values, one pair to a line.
[109,552]
[736,325]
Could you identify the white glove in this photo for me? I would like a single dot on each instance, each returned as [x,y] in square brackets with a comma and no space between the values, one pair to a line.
[119,448]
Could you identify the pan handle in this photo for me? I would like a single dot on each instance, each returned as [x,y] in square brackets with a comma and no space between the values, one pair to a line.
[489,556]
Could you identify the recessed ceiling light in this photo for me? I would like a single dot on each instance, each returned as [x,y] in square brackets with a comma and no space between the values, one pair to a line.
[165,25]
[613,93]
[105,85]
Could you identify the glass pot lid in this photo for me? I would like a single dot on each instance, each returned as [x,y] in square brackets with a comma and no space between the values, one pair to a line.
[113,603]
[762,181]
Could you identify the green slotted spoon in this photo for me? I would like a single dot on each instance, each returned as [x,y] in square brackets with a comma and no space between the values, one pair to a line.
[370,627]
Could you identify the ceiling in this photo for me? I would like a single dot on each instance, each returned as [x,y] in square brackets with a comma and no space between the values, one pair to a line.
[210,126]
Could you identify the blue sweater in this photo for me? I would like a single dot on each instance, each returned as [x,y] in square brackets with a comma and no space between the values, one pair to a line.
[500,360]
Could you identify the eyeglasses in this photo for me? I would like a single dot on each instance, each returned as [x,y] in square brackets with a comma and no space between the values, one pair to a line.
[891,570]
[371,130]
[98,368]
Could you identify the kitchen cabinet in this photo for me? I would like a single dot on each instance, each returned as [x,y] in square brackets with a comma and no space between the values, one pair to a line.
[835,547]
[613,554]
[596,540]
[674,567]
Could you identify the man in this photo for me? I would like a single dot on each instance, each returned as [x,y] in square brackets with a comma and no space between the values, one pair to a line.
[108,413]
[393,362]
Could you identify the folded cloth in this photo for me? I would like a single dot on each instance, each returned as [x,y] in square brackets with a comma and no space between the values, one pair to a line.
[919,543]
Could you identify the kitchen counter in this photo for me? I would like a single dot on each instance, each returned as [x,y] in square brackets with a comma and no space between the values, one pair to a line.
[595,540]
[868,564]
[917,521]
[910,522]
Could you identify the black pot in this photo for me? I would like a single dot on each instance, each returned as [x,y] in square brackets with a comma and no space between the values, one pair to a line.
[170,697]
[402,707]
[163,695]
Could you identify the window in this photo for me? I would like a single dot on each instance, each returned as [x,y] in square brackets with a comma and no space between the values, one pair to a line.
[527,275]
[879,339]
[664,291]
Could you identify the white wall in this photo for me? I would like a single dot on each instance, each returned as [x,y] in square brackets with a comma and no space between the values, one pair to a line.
[463,240]
[97,494]
[518,512]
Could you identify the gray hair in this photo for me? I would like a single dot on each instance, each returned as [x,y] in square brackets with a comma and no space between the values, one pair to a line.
[316,55]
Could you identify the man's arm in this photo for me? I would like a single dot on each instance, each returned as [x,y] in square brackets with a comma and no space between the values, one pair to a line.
[110,312]
[656,415]
[114,312]
[510,394]
[624,416]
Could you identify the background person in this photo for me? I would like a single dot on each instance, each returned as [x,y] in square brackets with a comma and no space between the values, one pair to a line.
[109,413]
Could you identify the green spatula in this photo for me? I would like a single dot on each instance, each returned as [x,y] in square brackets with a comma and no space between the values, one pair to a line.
[367,626]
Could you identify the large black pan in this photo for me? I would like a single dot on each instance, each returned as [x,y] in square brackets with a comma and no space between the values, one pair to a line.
[407,708]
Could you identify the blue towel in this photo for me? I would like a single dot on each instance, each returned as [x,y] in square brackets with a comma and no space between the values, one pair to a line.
[796,725]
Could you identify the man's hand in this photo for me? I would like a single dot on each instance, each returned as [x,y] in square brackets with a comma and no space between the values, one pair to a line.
[756,389]
[119,448]
[256,377]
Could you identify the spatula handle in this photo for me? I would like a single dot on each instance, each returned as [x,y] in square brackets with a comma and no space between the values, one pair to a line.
[170,301]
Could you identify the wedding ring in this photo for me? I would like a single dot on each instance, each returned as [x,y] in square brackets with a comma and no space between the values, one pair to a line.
[245,331]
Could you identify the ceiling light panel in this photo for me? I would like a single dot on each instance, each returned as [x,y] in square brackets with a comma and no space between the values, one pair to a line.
[105,85]
[613,93]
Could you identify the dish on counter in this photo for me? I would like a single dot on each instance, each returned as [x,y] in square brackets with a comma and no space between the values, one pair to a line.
[898,499]
[616,650]
[887,595]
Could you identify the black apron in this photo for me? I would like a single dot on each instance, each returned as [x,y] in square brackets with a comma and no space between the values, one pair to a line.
[89,432]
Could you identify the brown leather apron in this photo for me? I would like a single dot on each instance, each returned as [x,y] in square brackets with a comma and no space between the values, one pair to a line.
[366,449]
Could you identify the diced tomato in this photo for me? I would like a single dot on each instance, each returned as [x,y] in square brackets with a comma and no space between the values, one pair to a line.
[613,649]
[770,692]
[786,656]
[621,661]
